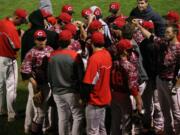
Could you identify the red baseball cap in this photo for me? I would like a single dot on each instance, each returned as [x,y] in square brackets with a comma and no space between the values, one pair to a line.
[86,12]
[148,25]
[118,23]
[114,7]
[21,13]
[97,39]
[95,25]
[67,9]
[65,35]
[52,20]
[97,12]
[45,13]
[172,16]
[65,17]
[71,27]
[40,34]
[124,44]
[121,18]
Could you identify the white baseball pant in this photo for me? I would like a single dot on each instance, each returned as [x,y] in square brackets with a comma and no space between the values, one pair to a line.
[29,110]
[170,105]
[8,84]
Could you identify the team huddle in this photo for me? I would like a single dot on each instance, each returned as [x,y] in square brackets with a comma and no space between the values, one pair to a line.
[118,75]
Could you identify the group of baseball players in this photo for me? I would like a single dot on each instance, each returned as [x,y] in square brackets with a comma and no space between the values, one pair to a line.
[118,75]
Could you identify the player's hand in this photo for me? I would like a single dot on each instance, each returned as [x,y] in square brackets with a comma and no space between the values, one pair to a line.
[136,22]
[78,23]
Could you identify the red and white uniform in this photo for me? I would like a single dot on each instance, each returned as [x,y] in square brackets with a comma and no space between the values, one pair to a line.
[98,74]
[26,69]
[9,44]
[124,82]
[8,30]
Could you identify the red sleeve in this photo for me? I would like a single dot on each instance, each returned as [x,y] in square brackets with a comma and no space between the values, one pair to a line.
[13,34]
[26,66]
[132,74]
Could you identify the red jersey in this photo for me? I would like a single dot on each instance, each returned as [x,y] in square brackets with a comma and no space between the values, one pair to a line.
[98,74]
[8,33]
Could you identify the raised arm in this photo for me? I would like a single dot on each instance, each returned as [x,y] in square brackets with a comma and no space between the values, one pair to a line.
[145,32]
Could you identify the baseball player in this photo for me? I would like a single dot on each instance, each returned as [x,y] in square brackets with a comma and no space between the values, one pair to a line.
[9,46]
[34,69]
[96,81]
[65,74]
[168,66]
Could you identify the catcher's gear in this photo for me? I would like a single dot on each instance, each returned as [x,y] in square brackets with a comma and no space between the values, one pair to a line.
[38,99]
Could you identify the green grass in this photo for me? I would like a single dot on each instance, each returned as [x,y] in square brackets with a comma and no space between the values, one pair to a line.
[8,6]
[161,6]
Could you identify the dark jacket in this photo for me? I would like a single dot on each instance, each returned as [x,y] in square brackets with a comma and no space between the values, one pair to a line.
[149,14]
[149,54]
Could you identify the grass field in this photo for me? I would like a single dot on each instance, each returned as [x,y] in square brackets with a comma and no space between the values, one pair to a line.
[8,6]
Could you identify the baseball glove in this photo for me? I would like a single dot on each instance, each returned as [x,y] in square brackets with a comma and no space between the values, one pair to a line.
[38,99]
